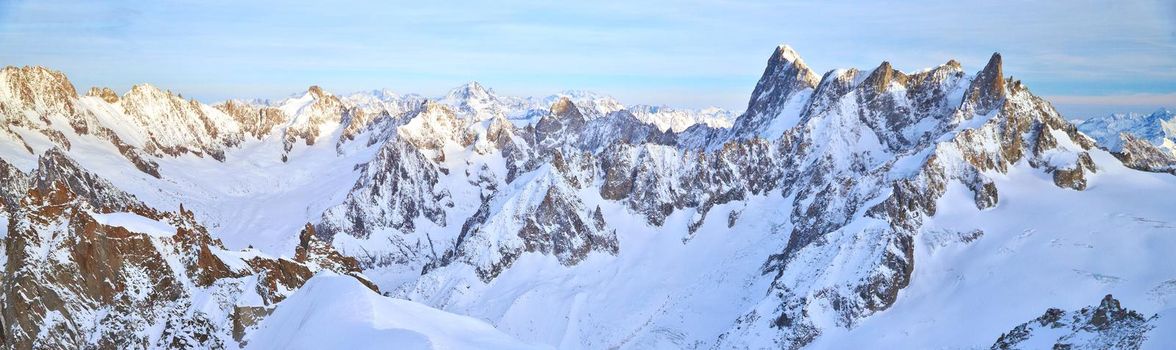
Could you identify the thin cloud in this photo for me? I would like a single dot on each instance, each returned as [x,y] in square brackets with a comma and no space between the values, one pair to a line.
[698,53]
[1143,99]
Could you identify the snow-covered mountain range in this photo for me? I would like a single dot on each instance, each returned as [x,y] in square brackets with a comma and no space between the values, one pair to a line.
[1143,141]
[869,208]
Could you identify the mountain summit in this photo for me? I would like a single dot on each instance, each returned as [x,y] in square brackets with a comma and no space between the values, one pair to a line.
[852,209]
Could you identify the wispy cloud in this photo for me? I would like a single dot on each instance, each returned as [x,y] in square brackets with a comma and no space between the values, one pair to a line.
[1084,106]
[1168,99]
[696,53]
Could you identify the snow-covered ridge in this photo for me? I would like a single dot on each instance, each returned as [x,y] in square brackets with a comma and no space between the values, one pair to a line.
[678,120]
[478,102]
[1142,141]
[1158,128]
[835,210]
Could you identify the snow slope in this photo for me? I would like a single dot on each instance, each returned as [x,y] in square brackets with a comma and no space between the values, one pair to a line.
[858,208]
[337,312]
[1159,128]
[1041,247]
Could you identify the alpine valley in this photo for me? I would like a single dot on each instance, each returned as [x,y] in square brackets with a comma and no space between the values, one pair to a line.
[871,208]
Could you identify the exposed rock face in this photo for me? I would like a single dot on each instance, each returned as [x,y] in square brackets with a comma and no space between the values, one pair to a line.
[786,80]
[177,126]
[31,97]
[656,180]
[1075,177]
[36,89]
[1142,141]
[862,158]
[431,126]
[846,161]
[856,161]
[563,125]
[517,152]
[1108,326]
[73,281]
[545,217]
[320,113]
[1139,154]
[988,88]
[256,121]
[620,127]
[13,185]
[106,94]
[397,188]
[677,120]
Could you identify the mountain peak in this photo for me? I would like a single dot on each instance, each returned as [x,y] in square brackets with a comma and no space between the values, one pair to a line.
[786,64]
[471,89]
[145,90]
[563,106]
[994,66]
[31,83]
[995,71]
[105,93]
[988,89]
[785,76]
[881,77]
[474,85]
[784,52]
[315,90]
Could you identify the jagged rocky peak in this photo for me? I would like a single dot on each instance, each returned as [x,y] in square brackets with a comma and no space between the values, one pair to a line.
[1107,326]
[316,91]
[313,114]
[1142,141]
[785,74]
[105,285]
[105,93]
[562,126]
[937,74]
[38,80]
[433,106]
[988,88]
[470,90]
[323,104]
[785,52]
[777,99]
[565,108]
[142,90]
[36,88]
[881,78]
[434,124]
[258,120]
[55,168]
[176,126]
[475,101]
[146,100]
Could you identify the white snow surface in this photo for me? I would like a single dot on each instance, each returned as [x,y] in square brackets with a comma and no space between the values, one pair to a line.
[136,223]
[1158,127]
[678,120]
[337,312]
[1042,246]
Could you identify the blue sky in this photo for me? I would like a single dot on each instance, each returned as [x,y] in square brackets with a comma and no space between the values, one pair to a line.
[1089,57]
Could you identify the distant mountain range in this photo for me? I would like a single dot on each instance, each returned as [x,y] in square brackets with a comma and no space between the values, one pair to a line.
[873,208]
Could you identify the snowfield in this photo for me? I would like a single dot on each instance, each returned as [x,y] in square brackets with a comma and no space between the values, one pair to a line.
[862,208]
[1041,247]
[337,312]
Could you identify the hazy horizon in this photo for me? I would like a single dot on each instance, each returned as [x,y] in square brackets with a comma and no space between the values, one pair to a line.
[1087,58]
